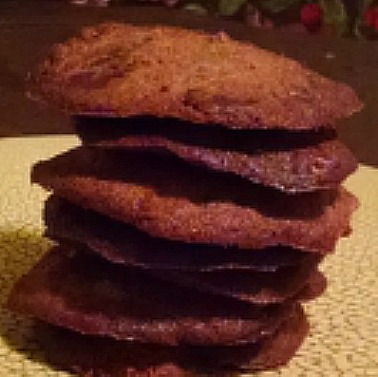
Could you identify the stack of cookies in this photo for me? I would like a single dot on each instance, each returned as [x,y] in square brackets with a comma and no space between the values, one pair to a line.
[190,223]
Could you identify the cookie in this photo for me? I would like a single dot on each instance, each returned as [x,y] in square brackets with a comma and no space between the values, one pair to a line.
[250,286]
[123,244]
[81,292]
[316,285]
[289,161]
[168,198]
[121,70]
[262,282]
[104,357]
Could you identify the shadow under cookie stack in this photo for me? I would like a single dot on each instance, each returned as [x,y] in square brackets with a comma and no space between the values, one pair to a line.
[191,221]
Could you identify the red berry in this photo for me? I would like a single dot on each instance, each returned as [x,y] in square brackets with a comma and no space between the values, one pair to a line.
[311,16]
[370,17]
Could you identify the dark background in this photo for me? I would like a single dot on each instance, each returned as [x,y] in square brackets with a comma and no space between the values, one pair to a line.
[28,28]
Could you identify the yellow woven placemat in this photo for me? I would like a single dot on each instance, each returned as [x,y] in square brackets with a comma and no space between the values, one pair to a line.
[344,321]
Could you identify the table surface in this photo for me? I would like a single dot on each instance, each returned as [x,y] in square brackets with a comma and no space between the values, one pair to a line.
[28,28]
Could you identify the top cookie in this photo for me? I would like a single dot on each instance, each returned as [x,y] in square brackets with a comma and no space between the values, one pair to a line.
[120,70]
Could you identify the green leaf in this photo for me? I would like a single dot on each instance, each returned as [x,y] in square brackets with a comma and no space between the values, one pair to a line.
[230,7]
[335,14]
[196,8]
[276,6]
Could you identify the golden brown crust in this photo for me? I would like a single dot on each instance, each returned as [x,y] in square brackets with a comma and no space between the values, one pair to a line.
[170,199]
[122,70]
